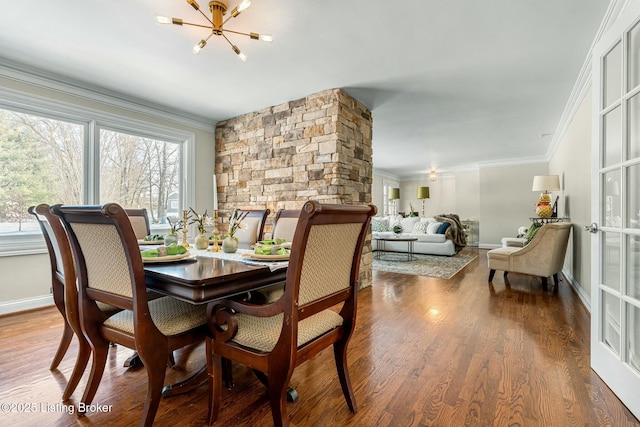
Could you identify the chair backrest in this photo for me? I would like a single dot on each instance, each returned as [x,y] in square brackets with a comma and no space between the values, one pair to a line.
[253,225]
[139,221]
[546,251]
[60,253]
[284,224]
[108,261]
[325,259]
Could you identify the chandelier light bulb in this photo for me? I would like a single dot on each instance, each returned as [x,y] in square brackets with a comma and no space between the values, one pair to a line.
[163,19]
[266,38]
[244,5]
[197,48]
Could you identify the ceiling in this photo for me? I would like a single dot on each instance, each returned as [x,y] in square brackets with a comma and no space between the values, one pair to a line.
[451,84]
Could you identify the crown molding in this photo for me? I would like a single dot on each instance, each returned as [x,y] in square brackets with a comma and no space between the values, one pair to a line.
[40,78]
[584,82]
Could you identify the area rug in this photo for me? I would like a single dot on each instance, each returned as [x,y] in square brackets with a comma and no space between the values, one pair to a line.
[441,267]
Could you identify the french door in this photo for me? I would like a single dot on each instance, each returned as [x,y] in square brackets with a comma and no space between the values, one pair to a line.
[615,274]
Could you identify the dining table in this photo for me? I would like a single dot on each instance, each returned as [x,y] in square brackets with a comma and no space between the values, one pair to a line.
[206,276]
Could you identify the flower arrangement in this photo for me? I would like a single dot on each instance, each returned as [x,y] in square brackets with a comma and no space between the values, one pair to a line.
[236,222]
[174,226]
[199,220]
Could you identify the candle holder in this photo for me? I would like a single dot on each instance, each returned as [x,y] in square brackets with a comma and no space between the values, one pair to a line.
[215,247]
[184,229]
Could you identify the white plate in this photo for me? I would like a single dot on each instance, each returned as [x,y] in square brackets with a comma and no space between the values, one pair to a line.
[266,257]
[150,242]
[168,258]
[286,245]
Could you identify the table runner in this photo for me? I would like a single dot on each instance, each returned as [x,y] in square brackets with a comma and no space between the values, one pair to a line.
[273,265]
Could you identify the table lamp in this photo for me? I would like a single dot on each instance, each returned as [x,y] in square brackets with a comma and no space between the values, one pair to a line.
[394,194]
[545,183]
[423,193]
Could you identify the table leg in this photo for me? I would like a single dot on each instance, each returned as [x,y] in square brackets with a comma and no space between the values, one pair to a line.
[185,386]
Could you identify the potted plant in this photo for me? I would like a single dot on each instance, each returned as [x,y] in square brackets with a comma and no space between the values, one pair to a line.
[201,241]
[172,233]
[230,242]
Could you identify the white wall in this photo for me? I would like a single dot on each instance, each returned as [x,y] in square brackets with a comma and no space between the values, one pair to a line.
[26,279]
[572,161]
[506,200]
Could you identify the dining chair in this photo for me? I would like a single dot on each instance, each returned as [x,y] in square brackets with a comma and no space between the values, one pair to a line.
[284,227]
[65,293]
[110,270]
[252,226]
[275,338]
[57,279]
[139,222]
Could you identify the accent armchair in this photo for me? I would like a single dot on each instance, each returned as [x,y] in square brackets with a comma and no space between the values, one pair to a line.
[542,257]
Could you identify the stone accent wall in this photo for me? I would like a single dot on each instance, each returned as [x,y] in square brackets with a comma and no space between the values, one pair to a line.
[314,148]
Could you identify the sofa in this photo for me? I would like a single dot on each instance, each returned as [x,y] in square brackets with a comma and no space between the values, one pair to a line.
[436,236]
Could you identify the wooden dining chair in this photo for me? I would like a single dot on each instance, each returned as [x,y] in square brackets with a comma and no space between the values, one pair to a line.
[139,222]
[110,270]
[57,279]
[65,293]
[275,338]
[252,226]
[284,227]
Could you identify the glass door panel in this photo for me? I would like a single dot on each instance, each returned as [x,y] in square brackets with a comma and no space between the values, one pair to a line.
[633,197]
[611,326]
[612,202]
[633,337]
[612,137]
[633,267]
[611,260]
[634,57]
[634,126]
[612,75]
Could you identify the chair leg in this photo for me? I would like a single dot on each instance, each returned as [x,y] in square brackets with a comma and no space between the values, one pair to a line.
[227,374]
[155,365]
[100,351]
[67,336]
[544,284]
[84,352]
[491,274]
[172,360]
[555,280]
[340,353]
[214,368]
[278,383]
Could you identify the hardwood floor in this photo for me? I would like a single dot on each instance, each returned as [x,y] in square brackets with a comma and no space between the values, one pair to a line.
[426,352]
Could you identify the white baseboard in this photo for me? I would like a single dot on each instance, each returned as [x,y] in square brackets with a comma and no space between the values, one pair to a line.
[586,299]
[15,306]
[488,246]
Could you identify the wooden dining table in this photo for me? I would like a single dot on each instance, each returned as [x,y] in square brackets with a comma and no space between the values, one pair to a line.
[205,278]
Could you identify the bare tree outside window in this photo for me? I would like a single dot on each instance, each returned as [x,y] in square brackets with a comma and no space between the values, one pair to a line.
[40,162]
[138,172]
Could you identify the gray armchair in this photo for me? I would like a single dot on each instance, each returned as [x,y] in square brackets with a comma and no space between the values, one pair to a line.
[542,257]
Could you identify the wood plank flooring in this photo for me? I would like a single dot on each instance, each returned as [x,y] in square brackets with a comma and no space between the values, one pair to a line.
[426,352]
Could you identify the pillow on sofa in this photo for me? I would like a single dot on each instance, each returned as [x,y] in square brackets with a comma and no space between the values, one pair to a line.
[379,224]
[409,223]
[432,227]
[420,228]
[443,227]
[427,219]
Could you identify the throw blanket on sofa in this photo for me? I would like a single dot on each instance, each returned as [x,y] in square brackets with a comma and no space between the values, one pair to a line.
[455,232]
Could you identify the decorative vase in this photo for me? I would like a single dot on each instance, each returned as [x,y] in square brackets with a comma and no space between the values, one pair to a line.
[201,241]
[170,238]
[230,244]
[397,229]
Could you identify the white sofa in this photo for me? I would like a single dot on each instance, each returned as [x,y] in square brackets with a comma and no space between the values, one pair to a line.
[429,241]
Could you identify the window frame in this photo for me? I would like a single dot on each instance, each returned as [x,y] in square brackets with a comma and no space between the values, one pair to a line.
[93,120]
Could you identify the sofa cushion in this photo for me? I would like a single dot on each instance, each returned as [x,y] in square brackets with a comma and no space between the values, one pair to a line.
[433,227]
[420,228]
[408,223]
[379,224]
[443,227]
[430,238]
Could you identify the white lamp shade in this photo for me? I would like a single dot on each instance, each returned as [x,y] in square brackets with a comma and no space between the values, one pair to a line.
[546,183]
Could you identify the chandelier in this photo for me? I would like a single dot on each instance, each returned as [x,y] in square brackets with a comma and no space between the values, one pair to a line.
[218,9]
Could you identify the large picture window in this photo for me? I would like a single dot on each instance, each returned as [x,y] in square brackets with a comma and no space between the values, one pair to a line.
[72,156]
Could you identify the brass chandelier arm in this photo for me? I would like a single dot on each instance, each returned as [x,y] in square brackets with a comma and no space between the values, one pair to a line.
[237,32]
[196,25]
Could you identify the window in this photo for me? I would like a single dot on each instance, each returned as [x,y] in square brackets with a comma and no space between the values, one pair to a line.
[387,205]
[57,153]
